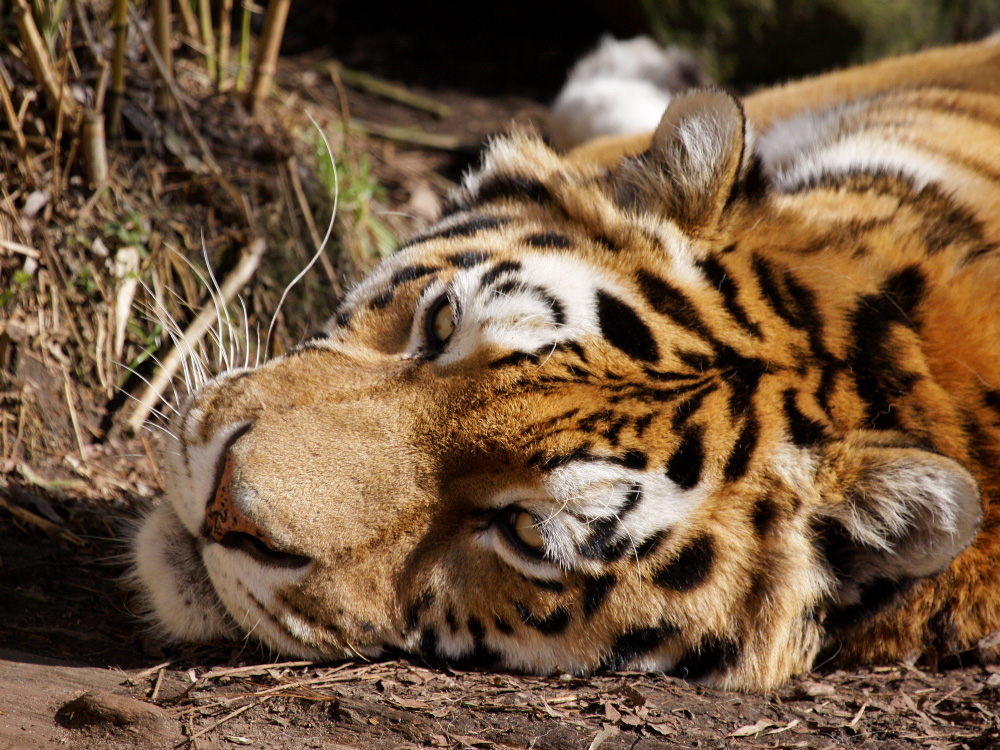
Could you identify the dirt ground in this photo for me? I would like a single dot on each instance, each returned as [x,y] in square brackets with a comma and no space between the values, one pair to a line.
[73,479]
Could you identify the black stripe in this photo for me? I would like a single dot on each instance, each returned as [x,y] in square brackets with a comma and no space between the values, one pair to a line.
[672,303]
[690,405]
[637,642]
[468,259]
[743,450]
[552,240]
[765,513]
[462,229]
[805,431]
[506,266]
[552,624]
[691,568]
[624,329]
[713,654]
[719,277]
[595,591]
[684,468]
[515,187]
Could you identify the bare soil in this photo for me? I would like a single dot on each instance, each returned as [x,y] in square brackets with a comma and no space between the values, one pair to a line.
[72,480]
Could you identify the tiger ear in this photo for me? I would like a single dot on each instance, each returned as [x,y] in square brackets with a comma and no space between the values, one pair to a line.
[693,164]
[891,512]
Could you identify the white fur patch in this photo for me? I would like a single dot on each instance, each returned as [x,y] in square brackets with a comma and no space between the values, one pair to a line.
[621,87]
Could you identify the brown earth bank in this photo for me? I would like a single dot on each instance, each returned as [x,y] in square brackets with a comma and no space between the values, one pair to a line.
[78,668]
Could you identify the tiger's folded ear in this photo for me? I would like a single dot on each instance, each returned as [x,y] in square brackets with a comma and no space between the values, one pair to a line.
[699,153]
[890,513]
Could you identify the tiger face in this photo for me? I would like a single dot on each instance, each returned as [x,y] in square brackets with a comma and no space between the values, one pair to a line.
[669,415]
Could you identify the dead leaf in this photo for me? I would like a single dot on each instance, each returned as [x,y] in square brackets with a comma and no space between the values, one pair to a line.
[751,729]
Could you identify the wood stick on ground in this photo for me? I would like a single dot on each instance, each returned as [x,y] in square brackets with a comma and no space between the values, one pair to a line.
[206,318]
[222,721]
[407,135]
[267,53]
[162,36]
[119,27]
[206,153]
[393,91]
[59,96]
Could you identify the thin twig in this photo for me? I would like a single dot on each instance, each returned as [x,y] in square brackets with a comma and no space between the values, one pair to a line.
[407,135]
[207,38]
[188,341]
[222,721]
[73,418]
[367,82]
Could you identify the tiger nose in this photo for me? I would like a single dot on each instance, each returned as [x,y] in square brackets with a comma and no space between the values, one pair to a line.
[223,519]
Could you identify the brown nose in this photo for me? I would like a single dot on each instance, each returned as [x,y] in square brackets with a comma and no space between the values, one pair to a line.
[223,520]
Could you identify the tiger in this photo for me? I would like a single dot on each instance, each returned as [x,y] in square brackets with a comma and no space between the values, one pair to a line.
[719,401]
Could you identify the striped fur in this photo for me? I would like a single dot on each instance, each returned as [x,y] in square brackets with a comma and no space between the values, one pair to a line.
[741,376]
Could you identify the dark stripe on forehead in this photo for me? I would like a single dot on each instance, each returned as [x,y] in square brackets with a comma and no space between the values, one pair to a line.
[514,187]
[671,302]
[720,278]
[468,259]
[506,266]
[402,276]
[462,229]
[552,240]
[624,329]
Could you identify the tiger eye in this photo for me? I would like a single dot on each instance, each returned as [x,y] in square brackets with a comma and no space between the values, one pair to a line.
[526,530]
[443,323]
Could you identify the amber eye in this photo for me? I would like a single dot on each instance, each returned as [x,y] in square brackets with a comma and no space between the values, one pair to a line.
[525,528]
[440,321]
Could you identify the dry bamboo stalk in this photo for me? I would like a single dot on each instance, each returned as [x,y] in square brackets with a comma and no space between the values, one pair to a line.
[95,155]
[206,318]
[225,39]
[161,34]
[267,54]
[208,39]
[88,35]
[119,27]
[189,21]
[15,124]
[59,96]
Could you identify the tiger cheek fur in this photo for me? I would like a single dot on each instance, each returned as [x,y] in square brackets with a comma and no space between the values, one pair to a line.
[697,411]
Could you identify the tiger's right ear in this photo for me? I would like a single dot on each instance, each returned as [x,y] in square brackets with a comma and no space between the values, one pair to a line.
[698,154]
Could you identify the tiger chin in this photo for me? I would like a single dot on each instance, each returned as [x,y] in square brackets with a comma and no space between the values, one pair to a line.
[719,401]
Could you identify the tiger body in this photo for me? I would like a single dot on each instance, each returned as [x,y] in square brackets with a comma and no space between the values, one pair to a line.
[712,401]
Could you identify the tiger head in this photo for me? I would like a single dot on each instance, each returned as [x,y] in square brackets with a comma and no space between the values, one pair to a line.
[562,430]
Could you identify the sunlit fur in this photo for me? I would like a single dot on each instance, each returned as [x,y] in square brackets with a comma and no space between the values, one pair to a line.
[743,372]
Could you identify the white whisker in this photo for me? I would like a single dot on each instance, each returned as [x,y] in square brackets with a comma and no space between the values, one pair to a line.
[322,246]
